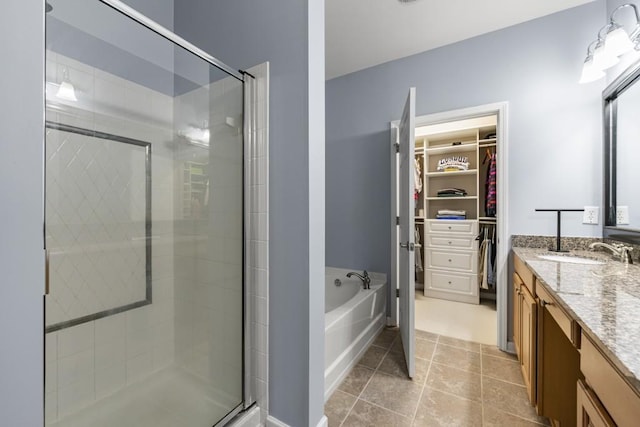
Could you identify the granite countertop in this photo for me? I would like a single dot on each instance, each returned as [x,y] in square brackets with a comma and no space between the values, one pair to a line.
[604,299]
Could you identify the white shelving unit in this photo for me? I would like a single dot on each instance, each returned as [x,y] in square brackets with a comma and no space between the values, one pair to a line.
[450,249]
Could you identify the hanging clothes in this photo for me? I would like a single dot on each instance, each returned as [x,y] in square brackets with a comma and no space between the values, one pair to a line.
[417,177]
[486,258]
[418,252]
[489,266]
[490,187]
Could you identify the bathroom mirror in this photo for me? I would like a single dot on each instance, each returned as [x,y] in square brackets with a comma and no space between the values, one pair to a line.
[622,156]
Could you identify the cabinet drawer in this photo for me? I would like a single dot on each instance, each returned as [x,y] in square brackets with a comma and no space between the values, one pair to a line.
[525,274]
[452,241]
[590,410]
[619,399]
[463,284]
[466,261]
[566,323]
[458,227]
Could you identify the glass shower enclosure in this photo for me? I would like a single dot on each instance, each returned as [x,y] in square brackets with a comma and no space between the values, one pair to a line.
[143,224]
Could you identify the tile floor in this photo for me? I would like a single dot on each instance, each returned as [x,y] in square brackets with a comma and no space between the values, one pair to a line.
[471,322]
[457,383]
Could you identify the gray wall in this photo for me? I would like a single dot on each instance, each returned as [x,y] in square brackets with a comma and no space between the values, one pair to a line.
[244,33]
[21,245]
[553,122]
[160,11]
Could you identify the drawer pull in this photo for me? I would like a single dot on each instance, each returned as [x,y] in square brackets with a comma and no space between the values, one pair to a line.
[449,281]
[449,260]
[449,227]
[449,242]
[544,303]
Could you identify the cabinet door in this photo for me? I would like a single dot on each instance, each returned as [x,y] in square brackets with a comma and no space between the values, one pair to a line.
[591,413]
[528,315]
[517,332]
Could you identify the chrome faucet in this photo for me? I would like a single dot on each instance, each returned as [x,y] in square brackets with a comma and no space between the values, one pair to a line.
[366,280]
[618,249]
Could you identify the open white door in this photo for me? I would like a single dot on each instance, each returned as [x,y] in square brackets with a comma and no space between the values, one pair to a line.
[406,245]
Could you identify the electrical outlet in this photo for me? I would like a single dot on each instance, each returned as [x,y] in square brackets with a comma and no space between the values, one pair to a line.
[590,215]
[622,215]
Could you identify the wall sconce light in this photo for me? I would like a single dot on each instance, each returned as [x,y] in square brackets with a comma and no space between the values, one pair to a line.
[609,47]
[590,72]
[66,90]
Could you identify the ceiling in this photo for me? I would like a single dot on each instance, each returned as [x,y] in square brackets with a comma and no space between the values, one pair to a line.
[363,33]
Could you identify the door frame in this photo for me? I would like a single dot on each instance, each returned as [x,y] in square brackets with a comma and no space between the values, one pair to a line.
[500,109]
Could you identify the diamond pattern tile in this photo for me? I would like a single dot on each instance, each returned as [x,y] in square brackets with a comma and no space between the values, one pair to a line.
[95,225]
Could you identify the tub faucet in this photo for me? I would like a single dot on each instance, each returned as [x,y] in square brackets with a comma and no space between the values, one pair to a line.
[618,249]
[366,280]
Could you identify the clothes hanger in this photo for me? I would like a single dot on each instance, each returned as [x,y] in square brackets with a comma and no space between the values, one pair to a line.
[487,156]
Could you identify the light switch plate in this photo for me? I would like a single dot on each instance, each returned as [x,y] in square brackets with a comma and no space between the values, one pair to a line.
[622,215]
[590,215]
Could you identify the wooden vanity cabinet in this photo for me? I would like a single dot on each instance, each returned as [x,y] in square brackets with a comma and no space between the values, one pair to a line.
[549,361]
[524,325]
[590,410]
[569,378]
[614,401]
[558,361]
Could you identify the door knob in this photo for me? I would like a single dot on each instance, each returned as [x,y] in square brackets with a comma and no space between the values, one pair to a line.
[408,246]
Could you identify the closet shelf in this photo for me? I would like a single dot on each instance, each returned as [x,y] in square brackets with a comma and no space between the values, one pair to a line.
[453,173]
[489,219]
[488,145]
[484,141]
[453,198]
[451,149]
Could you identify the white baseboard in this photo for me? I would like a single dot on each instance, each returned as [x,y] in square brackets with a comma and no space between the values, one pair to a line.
[274,422]
[390,321]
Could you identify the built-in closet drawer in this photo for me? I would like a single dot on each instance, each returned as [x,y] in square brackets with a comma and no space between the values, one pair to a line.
[457,226]
[452,241]
[451,283]
[466,261]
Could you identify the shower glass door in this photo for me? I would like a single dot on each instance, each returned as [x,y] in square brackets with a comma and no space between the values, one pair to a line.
[144,226]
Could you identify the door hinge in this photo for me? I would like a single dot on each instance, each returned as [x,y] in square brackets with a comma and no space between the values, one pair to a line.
[397,293]
[397,147]
[397,220]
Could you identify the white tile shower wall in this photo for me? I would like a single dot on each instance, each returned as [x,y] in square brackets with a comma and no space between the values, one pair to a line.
[95,359]
[258,241]
[208,298]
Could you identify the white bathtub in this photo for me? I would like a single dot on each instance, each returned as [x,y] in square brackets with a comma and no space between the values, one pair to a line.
[353,318]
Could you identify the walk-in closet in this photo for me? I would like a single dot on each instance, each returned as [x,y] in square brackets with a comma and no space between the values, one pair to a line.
[455,226]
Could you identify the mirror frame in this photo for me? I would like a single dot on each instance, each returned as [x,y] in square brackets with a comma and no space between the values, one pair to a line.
[610,104]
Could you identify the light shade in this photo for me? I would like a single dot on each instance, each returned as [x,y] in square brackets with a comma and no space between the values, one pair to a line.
[602,58]
[66,91]
[617,41]
[198,136]
[590,72]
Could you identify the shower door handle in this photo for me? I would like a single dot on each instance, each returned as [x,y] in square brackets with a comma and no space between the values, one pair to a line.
[46,271]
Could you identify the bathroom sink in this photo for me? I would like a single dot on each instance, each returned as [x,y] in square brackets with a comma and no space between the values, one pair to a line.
[571,259]
[611,270]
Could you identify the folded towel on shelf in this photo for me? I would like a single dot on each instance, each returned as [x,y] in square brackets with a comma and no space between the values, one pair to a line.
[451,212]
[451,192]
[439,216]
